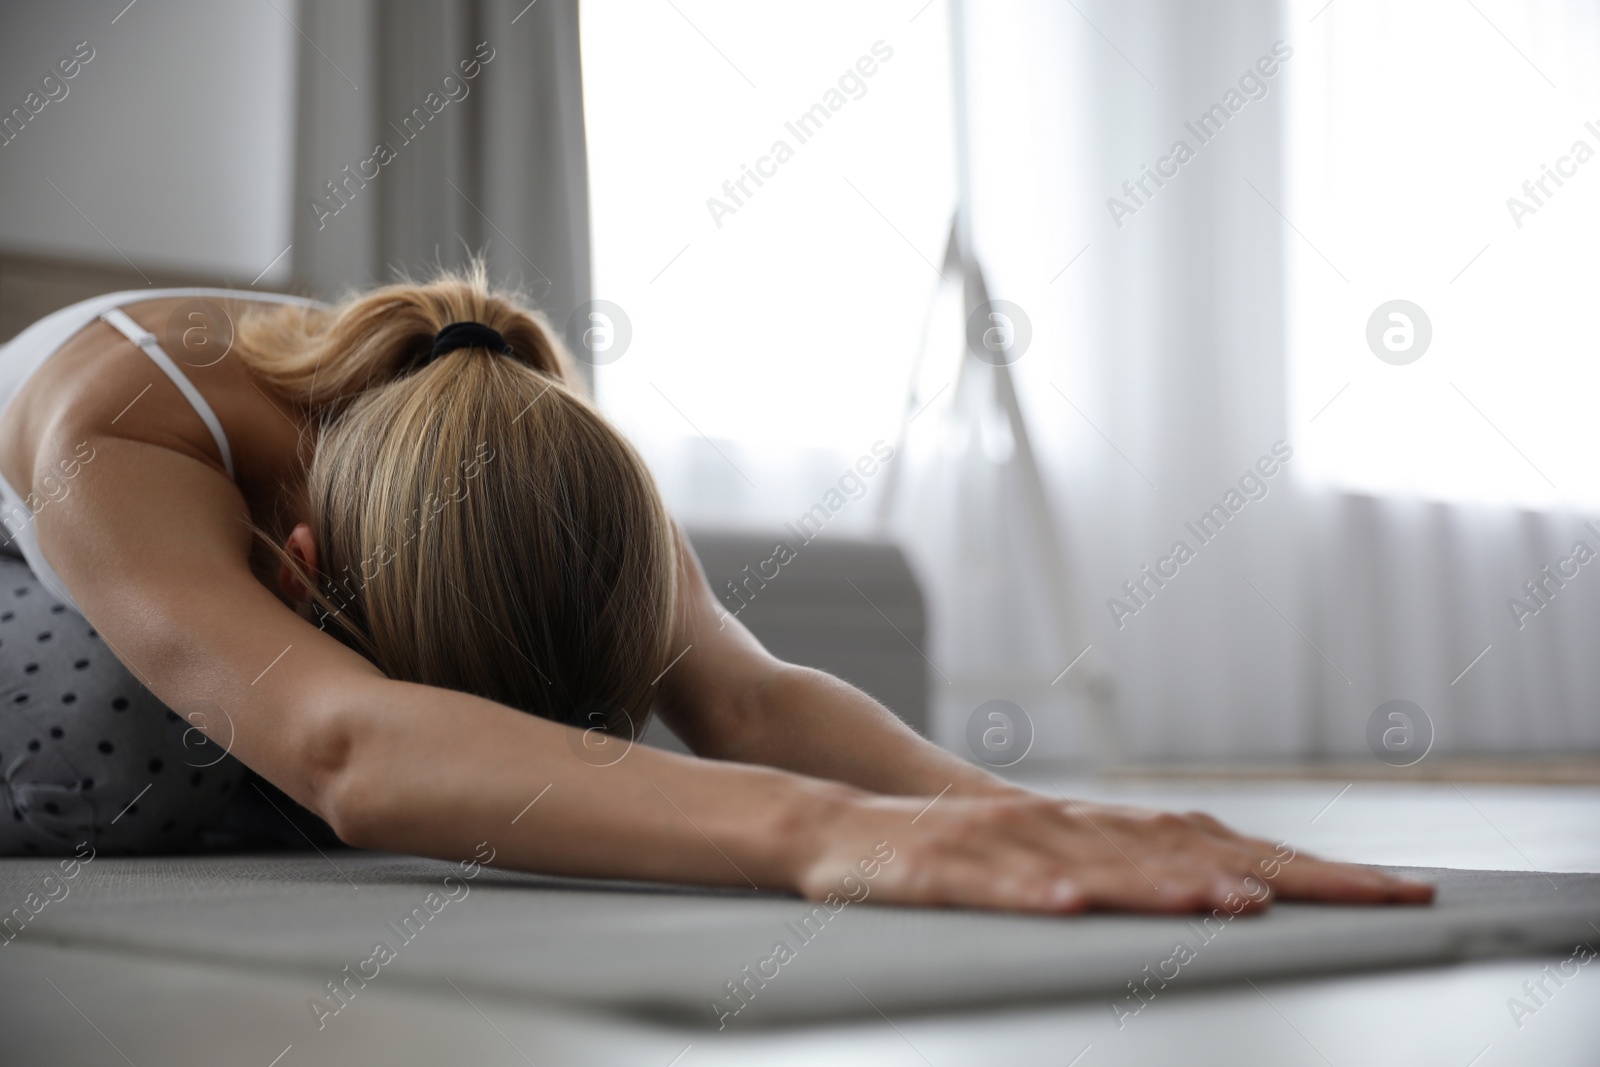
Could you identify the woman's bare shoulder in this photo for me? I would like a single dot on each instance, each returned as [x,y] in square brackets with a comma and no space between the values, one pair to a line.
[98,383]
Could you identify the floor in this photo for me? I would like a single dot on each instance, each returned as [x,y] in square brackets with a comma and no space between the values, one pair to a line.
[78,1006]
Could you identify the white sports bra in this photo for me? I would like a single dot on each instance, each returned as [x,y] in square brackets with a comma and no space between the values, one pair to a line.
[25,353]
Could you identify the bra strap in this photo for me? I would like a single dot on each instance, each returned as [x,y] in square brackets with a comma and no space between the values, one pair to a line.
[118,320]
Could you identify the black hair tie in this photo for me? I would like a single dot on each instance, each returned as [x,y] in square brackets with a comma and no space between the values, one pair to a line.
[464,335]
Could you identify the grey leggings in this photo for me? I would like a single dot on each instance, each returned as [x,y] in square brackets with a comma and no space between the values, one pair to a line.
[88,754]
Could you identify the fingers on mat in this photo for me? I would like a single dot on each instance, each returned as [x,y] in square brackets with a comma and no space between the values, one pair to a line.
[1348,884]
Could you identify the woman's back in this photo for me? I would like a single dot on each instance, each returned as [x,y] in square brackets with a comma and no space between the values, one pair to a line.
[74,377]
[413,472]
[90,756]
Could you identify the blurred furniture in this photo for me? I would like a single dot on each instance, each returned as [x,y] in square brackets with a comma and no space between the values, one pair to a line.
[852,608]
[31,286]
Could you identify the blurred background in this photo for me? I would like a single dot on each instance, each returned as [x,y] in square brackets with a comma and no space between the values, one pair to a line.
[1013,299]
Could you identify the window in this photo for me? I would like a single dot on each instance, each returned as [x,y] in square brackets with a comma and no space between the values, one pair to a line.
[1447,155]
[768,187]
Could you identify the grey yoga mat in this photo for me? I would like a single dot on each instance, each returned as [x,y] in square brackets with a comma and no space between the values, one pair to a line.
[706,957]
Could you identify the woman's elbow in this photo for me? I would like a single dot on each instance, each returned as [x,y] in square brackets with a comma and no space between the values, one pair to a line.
[330,776]
[352,816]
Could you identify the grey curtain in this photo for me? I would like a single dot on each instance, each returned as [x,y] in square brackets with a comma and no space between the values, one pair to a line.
[431,130]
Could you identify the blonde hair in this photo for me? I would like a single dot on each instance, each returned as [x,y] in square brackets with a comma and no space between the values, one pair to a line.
[479,524]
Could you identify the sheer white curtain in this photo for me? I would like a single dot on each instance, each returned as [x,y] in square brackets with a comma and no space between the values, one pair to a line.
[1176,337]
[1442,486]
[768,184]
[1155,379]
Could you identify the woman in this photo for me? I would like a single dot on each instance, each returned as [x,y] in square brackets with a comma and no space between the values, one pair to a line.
[389,557]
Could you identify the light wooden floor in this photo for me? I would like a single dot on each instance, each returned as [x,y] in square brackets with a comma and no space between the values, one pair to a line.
[1500,770]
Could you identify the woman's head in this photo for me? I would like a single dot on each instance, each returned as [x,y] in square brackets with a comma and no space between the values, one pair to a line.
[477,524]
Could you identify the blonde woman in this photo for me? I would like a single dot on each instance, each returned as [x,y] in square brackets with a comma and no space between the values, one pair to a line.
[388,557]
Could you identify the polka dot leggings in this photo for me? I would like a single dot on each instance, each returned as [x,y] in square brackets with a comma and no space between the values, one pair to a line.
[88,754]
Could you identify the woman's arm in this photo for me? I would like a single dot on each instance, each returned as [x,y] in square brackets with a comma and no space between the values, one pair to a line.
[153,543]
[730,699]
[441,774]
[968,836]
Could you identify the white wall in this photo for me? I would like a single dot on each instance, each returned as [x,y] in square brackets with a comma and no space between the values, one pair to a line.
[175,140]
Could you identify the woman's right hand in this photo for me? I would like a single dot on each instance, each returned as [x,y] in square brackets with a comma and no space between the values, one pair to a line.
[1026,852]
